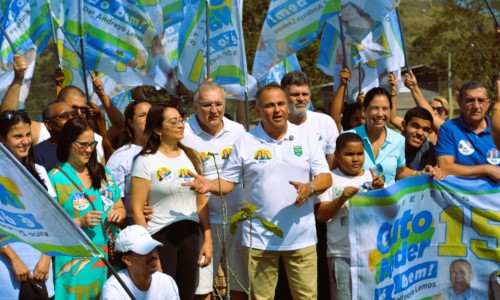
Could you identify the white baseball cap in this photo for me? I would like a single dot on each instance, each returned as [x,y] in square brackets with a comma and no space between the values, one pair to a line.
[137,239]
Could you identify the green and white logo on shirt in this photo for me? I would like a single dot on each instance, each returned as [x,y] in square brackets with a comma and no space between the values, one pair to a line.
[297,150]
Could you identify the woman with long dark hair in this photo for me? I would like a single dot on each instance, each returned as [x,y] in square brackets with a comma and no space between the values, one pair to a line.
[87,191]
[163,164]
[19,261]
[121,162]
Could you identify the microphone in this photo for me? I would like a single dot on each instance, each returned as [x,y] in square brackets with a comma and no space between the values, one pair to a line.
[291,138]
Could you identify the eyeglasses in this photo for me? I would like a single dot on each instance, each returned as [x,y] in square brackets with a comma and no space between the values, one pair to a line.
[439,109]
[471,101]
[84,145]
[208,105]
[175,123]
[82,109]
[67,115]
[11,114]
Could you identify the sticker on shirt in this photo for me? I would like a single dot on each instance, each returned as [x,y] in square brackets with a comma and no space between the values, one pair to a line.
[320,138]
[297,150]
[493,157]
[107,197]
[163,173]
[263,156]
[366,186]
[465,147]
[225,153]
[204,156]
[184,174]
[79,201]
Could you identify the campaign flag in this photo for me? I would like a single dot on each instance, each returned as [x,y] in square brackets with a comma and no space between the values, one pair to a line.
[226,46]
[28,214]
[290,25]
[27,25]
[420,238]
[120,41]
[290,63]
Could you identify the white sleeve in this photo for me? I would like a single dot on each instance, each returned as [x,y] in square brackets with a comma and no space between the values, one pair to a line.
[45,178]
[232,170]
[140,168]
[111,291]
[117,170]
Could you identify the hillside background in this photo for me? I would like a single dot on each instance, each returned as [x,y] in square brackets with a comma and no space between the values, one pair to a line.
[433,30]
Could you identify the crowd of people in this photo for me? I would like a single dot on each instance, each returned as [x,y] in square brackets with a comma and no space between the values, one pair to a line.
[159,205]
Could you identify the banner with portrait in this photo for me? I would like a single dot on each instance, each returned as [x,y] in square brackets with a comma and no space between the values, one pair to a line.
[420,238]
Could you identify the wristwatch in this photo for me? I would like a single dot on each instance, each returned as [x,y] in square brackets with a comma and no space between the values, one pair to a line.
[313,190]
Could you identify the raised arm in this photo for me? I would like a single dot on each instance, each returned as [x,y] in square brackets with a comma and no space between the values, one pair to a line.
[114,115]
[11,99]
[338,99]
[396,120]
[418,97]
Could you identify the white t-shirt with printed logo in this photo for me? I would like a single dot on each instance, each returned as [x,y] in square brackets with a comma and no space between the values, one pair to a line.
[324,129]
[221,145]
[265,166]
[337,228]
[170,201]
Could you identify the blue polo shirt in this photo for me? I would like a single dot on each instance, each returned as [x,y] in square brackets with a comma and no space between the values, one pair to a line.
[467,147]
[390,157]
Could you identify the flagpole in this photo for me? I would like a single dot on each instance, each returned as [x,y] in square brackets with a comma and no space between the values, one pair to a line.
[403,41]
[359,77]
[82,51]
[344,59]
[491,12]
[207,25]
[8,39]
[58,57]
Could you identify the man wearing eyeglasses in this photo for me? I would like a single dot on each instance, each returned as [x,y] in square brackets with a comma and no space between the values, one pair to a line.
[465,146]
[55,115]
[209,132]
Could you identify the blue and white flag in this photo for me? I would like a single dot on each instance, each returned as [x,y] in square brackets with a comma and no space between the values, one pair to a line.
[419,238]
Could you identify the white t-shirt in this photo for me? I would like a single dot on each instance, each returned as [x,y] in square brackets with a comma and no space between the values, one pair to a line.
[120,165]
[162,287]
[337,228]
[45,135]
[170,201]
[265,166]
[324,129]
[222,145]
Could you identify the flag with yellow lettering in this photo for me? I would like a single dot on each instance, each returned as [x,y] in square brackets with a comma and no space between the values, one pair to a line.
[420,238]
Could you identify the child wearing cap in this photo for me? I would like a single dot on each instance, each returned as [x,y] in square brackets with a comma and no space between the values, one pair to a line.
[136,250]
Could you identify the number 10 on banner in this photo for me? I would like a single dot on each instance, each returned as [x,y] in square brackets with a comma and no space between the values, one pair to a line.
[485,222]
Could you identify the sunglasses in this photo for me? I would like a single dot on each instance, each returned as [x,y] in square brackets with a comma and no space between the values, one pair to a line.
[65,115]
[11,114]
[439,109]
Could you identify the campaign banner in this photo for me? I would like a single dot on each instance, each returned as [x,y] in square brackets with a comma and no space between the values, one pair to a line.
[420,238]
[290,25]
[27,26]
[28,214]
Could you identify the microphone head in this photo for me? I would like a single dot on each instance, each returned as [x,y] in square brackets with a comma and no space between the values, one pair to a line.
[291,138]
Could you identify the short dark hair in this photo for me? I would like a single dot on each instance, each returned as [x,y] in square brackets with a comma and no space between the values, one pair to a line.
[347,113]
[294,78]
[418,112]
[470,85]
[461,260]
[69,133]
[269,86]
[376,91]
[347,137]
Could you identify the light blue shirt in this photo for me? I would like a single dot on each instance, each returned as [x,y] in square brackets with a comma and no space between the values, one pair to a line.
[390,157]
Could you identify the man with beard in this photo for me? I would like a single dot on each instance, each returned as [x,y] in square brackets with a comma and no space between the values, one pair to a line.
[419,152]
[136,250]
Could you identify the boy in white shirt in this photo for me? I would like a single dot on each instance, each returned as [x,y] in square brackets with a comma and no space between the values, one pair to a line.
[135,247]
[332,206]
